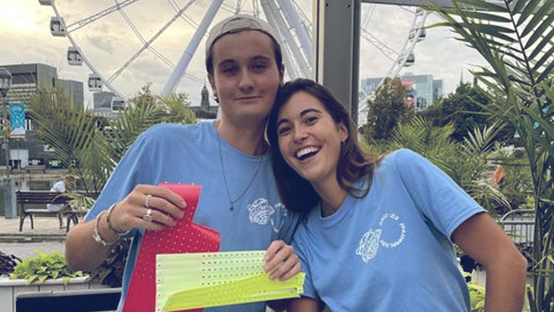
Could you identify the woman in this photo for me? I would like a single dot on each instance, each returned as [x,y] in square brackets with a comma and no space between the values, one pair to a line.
[227,157]
[378,234]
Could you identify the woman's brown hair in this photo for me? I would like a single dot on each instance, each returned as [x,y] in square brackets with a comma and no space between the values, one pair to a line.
[297,193]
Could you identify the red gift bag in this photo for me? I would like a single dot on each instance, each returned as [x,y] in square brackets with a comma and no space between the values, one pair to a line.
[185,237]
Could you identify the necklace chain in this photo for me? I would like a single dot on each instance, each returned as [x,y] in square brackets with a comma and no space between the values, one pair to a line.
[231,201]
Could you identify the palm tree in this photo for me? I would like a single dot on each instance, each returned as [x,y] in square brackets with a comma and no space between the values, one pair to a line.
[91,146]
[465,162]
[515,39]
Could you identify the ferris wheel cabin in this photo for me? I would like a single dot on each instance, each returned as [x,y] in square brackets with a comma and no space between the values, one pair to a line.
[410,60]
[74,57]
[57,28]
[94,83]
[118,103]
[420,32]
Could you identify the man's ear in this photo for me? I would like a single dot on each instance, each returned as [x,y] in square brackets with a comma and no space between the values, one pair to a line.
[212,83]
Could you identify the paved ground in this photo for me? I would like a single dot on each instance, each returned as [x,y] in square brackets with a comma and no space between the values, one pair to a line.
[46,236]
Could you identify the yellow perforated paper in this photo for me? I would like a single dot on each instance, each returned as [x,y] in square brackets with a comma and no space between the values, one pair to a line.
[201,280]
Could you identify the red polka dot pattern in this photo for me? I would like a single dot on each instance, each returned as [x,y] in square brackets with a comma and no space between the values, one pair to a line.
[185,237]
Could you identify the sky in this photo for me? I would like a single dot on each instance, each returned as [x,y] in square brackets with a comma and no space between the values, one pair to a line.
[112,40]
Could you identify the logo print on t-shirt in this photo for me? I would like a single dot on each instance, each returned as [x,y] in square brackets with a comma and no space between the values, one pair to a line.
[260,211]
[369,244]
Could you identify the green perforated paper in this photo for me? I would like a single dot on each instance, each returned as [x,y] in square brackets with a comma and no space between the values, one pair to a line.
[201,280]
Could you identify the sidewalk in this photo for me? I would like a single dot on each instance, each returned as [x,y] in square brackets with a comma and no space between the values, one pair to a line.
[45,229]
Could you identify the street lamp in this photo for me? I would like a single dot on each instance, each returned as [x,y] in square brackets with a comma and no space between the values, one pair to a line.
[5,84]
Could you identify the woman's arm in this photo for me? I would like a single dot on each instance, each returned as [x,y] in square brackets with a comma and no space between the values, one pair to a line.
[483,240]
[304,304]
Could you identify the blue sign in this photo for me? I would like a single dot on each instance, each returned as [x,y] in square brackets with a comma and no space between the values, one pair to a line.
[17,119]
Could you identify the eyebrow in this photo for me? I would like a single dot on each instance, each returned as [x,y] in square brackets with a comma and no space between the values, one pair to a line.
[255,58]
[304,112]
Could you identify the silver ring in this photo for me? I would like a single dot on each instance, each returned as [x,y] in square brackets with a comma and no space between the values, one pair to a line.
[147,205]
[148,215]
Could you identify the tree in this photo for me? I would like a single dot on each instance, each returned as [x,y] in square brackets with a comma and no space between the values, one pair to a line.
[465,109]
[91,146]
[386,110]
[460,108]
[515,39]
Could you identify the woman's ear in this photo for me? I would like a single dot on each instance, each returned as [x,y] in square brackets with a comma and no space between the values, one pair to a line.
[343,131]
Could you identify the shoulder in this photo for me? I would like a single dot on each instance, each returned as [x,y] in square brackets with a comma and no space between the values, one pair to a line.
[403,155]
[405,160]
[168,132]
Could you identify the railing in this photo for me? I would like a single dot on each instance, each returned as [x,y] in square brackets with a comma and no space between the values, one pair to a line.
[519,224]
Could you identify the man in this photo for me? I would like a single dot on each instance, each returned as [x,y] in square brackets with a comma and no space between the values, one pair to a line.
[61,187]
[228,157]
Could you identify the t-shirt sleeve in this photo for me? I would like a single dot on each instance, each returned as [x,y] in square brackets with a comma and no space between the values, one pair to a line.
[439,199]
[288,229]
[309,289]
[129,172]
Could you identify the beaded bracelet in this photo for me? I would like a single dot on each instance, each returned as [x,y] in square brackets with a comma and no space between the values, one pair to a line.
[120,233]
[96,234]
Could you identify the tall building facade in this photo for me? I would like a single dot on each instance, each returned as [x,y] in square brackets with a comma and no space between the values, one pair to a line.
[29,78]
[423,90]
[23,148]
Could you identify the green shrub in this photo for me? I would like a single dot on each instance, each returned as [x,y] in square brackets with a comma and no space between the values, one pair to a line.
[43,267]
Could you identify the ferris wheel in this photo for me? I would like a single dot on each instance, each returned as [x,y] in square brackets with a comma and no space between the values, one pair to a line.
[127,44]
[388,54]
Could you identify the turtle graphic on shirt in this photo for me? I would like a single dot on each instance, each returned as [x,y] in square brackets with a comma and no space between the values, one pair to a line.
[369,245]
[260,211]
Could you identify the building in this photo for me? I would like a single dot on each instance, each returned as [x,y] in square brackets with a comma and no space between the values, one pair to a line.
[423,90]
[27,79]
[205,111]
[74,92]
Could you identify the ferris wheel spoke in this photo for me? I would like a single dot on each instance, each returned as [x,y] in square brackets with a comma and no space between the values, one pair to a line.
[132,25]
[158,54]
[382,47]
[187,19]
[184,61]
[147,44]
[303,36]
[82,23]
[277,20]
[368,15]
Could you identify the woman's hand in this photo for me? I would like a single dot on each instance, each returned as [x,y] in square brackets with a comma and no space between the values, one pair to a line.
[147,206]
[281,261]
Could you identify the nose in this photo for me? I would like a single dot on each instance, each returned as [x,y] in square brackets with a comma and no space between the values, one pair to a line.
[246,83]
[299,134]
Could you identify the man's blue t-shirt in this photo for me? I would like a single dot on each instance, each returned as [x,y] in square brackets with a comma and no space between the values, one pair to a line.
[191,154]
[390,250]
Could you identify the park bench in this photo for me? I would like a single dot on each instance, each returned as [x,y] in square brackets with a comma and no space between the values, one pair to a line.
[43,198]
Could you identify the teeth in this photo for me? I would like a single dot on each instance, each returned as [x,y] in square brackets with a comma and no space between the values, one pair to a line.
[305,151]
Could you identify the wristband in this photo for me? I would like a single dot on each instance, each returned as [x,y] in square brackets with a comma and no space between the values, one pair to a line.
[120,233]
[96,234]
